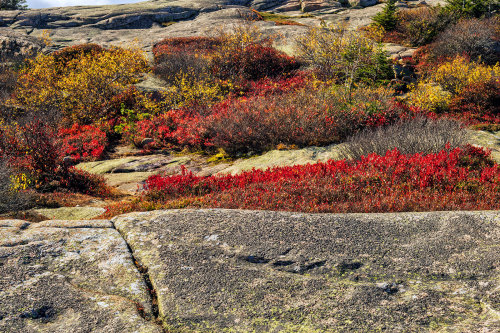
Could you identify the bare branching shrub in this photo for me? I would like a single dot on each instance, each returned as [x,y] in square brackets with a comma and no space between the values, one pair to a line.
[419,135]
[9,69]
[419,26]
[343,55]
[174,56]
[11,199]
[474,38]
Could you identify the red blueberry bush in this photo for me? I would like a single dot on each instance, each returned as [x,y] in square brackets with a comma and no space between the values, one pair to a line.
[452,179]
[258,123]
[238,56]
[83,142]
[478,102]
[34,149]
[252,62]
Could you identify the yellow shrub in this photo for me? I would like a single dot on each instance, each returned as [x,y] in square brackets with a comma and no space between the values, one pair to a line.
[344,55]
[454,75]
[188,89]
[428,96]
[79,84]
[20,182]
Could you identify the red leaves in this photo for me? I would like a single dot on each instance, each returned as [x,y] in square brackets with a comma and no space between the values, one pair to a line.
[83,142]
[463,178]
[272,113]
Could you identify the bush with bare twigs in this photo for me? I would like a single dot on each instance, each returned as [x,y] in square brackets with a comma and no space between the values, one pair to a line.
[418,135]
[477,39]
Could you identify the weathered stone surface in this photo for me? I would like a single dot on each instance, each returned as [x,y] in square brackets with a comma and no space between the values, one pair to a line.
[146,23]
[277,158]
[362,3]
[398,51]
[490,140]
[271,271]
[310,6]
[70,213]
[60,276]
[14,44]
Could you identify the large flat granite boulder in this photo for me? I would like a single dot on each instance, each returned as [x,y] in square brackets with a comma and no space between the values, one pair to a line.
[70,276]
[258,271]
[146,23]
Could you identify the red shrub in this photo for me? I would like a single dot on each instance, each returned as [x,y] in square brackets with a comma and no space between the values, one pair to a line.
[83,142]
[274,86]
[34,148]
[187,45]
[462,178]
[263,121]
[198,55]
[173,56]
[253,62]
[31,147]
[69,53]
[478,103]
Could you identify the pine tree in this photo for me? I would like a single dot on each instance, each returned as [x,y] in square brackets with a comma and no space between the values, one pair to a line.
[387,17]
[472,8]
[13,4]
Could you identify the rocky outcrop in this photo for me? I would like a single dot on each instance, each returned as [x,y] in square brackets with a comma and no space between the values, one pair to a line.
[215,270]
[150,21]
[14,45]
[270,271]
[61,276]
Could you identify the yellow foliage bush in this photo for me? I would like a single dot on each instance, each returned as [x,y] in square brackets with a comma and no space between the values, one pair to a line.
[21,182]
[344,55]
[435,91]
[188,89]
[429,96]
[80,81]
[456,74]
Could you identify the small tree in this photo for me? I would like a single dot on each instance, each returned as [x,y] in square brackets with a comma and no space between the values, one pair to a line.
[472,8]
[387,17]
[344,56]
[13,4]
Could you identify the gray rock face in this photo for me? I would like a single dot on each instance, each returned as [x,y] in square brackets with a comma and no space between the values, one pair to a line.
[271,271]
[150,21]
[362,3]
[14,45]
[61,276]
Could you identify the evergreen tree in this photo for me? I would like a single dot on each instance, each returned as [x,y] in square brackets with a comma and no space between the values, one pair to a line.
[13,4]
[472,8]
[387,17]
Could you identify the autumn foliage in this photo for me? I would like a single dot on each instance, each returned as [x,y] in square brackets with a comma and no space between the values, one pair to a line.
[34,149]
[235,93]
[239,55]
[261,122]
[80,81]
[457,179]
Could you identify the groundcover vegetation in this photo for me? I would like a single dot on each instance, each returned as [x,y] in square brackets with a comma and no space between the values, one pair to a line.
[235,93]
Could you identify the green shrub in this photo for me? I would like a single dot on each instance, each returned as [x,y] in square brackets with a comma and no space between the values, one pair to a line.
[472,8]
[13,5]
[420,26]
[387,17]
